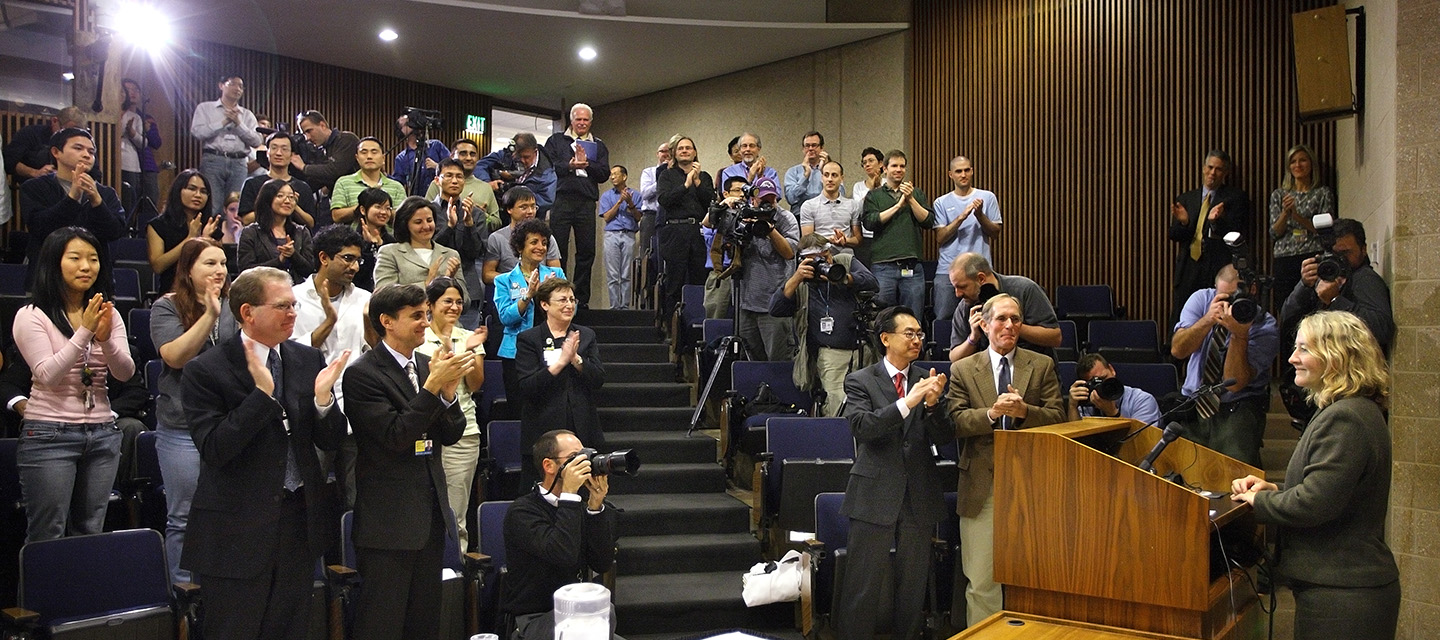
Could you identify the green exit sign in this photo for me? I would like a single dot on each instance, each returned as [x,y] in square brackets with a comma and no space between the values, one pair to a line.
[475,124]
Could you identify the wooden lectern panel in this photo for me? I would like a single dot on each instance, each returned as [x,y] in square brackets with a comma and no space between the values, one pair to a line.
[1091,530]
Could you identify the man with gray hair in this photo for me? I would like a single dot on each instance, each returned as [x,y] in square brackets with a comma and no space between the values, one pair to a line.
[581,164]
[752,166]
[259,406]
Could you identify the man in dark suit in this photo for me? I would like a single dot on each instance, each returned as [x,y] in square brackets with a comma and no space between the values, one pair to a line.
[894,497]
[1199,221]
[1001,387]
[402,407]
[258,407]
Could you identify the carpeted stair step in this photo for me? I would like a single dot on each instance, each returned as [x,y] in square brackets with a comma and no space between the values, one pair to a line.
[616,372]
[641,335]
[680,513]
[686,554]
[687,477]
[631,418]
[691,602]
[624,352]
[644,394]
[660,447]
[614,318]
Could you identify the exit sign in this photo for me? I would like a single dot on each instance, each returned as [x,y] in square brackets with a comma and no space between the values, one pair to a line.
[475,124]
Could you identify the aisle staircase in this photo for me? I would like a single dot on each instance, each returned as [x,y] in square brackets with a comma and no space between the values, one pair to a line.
[684,542]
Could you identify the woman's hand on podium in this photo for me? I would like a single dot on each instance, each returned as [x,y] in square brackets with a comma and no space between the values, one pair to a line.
[1244,489]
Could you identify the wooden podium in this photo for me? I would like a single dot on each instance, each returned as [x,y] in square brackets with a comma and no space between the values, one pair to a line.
[1086,536]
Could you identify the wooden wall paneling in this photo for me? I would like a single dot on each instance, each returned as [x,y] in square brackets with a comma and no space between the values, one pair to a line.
[1087,117]
[107,154]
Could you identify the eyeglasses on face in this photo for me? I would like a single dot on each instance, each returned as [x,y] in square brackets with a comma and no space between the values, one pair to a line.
[910,335]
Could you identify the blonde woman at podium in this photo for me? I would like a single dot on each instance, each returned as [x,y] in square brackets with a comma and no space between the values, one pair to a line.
[1331,511]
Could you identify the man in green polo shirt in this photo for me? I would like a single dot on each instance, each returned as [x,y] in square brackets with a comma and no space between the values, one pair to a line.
[344,198]
[896,211]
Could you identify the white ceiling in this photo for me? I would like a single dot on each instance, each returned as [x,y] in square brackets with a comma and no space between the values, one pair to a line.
[524,51]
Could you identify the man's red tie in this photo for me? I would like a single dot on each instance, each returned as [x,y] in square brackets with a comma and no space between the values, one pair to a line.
[900,385]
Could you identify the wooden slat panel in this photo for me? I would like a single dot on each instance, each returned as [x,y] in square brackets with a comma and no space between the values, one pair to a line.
[107,153]
[281,87]
[1087,118]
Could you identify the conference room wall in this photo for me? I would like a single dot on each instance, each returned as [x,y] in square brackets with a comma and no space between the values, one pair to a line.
[856,95]
[1366,167]
[1087,118]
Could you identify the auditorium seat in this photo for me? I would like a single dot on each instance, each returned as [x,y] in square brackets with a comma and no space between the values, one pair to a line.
[803,457]
[1125,340]
[939,339]
[1158,378]
[1069,348]
[492,554]
[106,585]
[745,433]
[137,325]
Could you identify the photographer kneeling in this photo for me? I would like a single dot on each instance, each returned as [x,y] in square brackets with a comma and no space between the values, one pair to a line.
[826,328]
[552,538]
[1097,393]
[765,238]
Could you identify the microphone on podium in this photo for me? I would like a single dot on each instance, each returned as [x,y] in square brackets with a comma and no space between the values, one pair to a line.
[1172,431]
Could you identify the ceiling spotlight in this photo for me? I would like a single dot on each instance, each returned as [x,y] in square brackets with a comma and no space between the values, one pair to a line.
[142,25]
[388,35]
[587,53]
[67,76]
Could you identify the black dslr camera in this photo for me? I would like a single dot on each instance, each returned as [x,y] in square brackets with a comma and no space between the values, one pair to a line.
[832,271]
[624,462]
[1329,266]
[1245,303]
[1111,389]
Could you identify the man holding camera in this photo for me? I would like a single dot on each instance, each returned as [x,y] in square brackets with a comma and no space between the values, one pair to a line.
[826,330]
[1348,284]
[1217,346]
[417,179]
[1097,393]
[554,536]
[897,211]
[329,156]
[975,281]
[520,165]
[766,238]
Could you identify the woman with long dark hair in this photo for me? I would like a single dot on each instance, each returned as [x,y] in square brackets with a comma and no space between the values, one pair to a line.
[185,323]
[183,218]
[274,240]
[1331,510]
[372,219]
[74,341]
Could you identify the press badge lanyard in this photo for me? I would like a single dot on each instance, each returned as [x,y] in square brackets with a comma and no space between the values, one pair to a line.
[827,322]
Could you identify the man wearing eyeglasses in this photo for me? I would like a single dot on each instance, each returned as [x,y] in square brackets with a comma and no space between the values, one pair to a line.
[330,316]
[279,151]
[521,165]
[476,187]
[258,406]
[1002,387]
[802,181]
[894,497]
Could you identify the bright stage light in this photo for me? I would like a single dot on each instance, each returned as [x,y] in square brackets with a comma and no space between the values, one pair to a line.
[388,35]
[587,53]
[142,25]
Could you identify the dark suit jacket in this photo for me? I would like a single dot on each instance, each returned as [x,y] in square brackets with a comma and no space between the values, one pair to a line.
[566,401]
[1331,509]
[972,393]
[242,444]
[1213,251]
[257,249]
[892,454]
[396,491]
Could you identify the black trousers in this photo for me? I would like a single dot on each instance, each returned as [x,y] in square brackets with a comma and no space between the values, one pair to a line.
[876,581]
[275,604]
[682,252]
[400,597]
[578,215]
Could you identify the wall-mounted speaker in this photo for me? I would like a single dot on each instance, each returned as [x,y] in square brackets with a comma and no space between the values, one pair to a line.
[1322,64]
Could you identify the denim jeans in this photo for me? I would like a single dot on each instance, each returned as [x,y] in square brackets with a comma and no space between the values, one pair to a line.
[619,254]
[225,175]
[66,472]
[944,298]
[895,289]
[180,471]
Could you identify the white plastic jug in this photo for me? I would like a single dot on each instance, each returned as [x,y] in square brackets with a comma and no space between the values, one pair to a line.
[582,612]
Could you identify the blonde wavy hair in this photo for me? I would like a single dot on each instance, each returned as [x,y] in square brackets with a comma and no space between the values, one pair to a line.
[1353,363]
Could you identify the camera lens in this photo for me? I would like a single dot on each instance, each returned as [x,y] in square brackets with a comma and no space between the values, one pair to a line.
[1244,310]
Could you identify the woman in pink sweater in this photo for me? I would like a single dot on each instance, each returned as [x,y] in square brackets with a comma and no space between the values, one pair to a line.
[74,341]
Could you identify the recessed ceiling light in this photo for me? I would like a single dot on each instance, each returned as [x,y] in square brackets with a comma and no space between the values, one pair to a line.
[388,35]
[67,76]
[587,53]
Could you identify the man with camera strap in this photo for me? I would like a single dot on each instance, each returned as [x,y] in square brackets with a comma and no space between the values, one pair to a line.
[1098,393]
[766,238]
